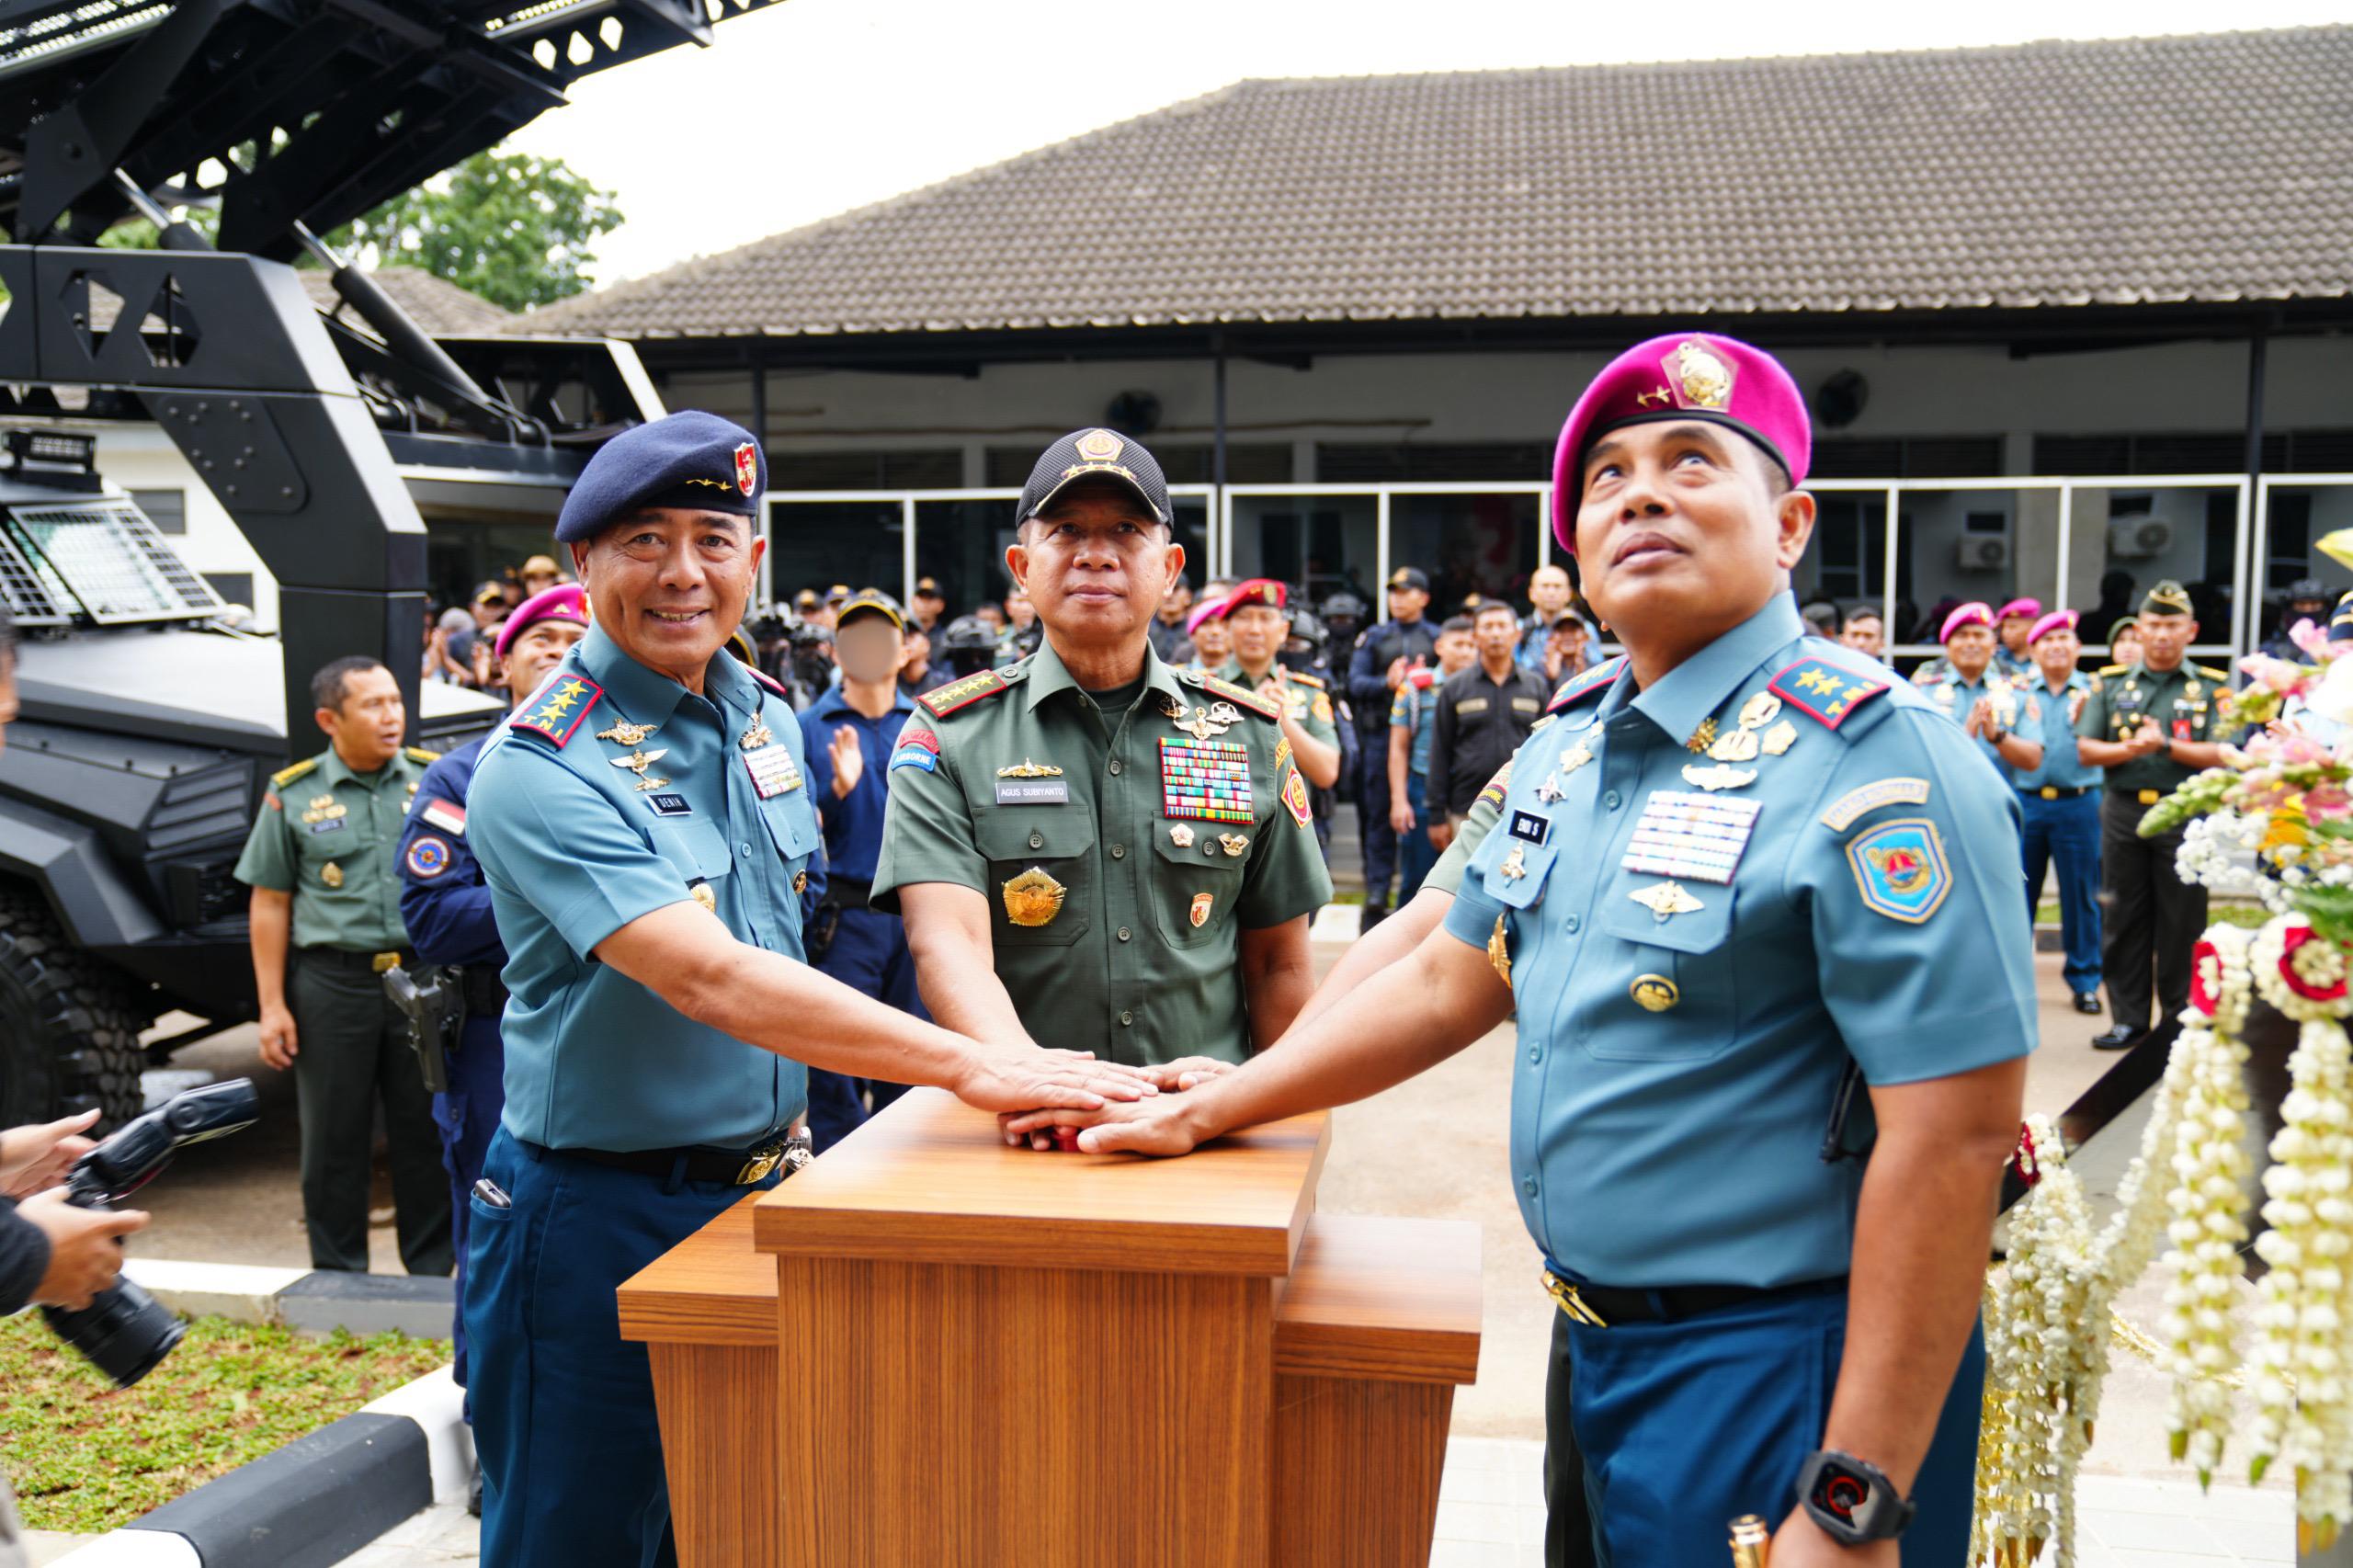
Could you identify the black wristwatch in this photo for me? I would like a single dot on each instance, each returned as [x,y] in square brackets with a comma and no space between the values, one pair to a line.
[1851,1499]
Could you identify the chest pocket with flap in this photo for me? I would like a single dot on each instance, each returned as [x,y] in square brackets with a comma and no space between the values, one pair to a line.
[1180,877]
[1058,841]
[1691,950]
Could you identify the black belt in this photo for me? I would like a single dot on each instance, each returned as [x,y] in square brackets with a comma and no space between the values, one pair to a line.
[839,890]
[1603,1306]
[2057,791]
[692,1165]
[357,963]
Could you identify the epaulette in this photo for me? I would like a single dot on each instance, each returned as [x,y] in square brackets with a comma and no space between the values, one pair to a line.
[2210,673]
[1823,691]
[2111,669]
[1241,696]
[1578,686]
[770,681]
[558,714]
[285,775]
[421,754]
[1303,679]
[940,701]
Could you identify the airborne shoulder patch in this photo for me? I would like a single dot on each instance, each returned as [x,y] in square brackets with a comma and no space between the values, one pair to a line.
[1496,788]
[285,775]
[943,700]
[564,702]
[1592,680]
[1823,691]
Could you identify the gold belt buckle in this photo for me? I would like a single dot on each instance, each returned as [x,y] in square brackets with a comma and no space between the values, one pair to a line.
[386,961]
[1565,1295]
[2150,797]
[2049,791]
[762,1162]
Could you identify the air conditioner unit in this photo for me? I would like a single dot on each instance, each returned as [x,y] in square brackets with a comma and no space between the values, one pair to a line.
[2139,539]
[1982,553]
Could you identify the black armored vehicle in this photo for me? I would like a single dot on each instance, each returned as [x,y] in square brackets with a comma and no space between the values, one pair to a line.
[329,434]
[147,727]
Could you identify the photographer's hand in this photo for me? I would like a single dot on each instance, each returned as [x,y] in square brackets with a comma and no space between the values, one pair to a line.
[33,1158]
[85,1251]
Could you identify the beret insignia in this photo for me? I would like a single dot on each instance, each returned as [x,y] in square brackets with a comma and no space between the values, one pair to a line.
[1823,691]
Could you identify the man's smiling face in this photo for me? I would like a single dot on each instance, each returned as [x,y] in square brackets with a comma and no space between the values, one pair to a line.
[668,583]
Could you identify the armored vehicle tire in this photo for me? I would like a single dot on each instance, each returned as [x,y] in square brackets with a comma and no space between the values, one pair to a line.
[69,1025]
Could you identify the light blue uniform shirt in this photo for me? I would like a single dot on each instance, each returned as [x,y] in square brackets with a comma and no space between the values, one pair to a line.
[573,850]
[1682,1146]
[2061,764]
[2013,706]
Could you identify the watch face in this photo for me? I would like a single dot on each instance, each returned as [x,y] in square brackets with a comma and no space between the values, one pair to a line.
[1839,1491]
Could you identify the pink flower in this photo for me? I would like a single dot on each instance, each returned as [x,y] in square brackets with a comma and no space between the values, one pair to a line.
[2205,978]
[2311,639]
[2277,674]
[2327,800]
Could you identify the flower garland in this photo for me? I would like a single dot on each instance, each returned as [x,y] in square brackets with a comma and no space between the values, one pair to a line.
[2299,1364]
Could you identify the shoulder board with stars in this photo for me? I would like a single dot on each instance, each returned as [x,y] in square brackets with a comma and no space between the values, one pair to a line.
[2113,669]
[1241,696]
[1301,677]
[285,775]
[1825,691]
[2220,678]
[1586,685]
[775,687]
[940,701]
[421,754]
[557,714]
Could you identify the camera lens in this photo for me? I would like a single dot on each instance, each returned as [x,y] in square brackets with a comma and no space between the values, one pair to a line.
[126,1332]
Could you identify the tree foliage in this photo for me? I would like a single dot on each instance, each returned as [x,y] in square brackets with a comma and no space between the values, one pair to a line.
[514,227]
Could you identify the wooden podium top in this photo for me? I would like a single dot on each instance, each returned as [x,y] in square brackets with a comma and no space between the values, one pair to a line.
[930,1180]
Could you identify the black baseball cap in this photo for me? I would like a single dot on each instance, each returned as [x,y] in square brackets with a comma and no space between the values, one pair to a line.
[1096,454]
[1410,577]
[929,588]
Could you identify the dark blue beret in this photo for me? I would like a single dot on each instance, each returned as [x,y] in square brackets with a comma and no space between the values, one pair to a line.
[693,459]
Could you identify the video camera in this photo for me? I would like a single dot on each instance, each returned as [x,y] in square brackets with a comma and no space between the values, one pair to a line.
[126,1332]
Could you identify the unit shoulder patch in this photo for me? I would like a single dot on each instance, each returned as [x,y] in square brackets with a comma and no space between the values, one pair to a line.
[564,702]
[1823,691]
[1592,680]
[1901,868]
[1495,788]
[285,775]
[940,701]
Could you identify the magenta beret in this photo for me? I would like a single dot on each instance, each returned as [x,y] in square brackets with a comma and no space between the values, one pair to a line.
[565,601]
[1976,612]
[2057,621]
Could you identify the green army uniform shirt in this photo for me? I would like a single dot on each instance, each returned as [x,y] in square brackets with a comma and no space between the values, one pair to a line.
[2180,699]
[327,836]
[1308,699]
[1123,852]
[1446,876]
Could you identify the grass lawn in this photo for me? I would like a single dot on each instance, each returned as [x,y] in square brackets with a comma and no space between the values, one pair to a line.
[86,1456]
[2219,912]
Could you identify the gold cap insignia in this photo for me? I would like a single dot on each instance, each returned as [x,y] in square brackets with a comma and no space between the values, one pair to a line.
[1665,899]
[1202,901]
[1655,992]
[1706,380]
[1100,446]
[1033,898]
[1026,769]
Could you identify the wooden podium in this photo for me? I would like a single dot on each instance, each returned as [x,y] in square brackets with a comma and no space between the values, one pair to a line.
[930,1349]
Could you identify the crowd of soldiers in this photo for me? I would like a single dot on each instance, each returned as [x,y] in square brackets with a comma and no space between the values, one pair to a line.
[712,895]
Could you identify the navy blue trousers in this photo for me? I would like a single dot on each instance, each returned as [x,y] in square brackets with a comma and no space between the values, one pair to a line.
[1416,854]
[1380,838]
[466,1114]
[1683,1427]
[2065,835]
[870,954]
[565,1421]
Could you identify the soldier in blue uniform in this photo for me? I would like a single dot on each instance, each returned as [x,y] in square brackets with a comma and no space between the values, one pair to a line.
[848,734]
[446,908]
[1972,691]
[1725,890]
[2060,802]
[644,825]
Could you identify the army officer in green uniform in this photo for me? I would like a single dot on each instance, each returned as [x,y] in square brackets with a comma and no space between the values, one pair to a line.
[2151,724]
[1090,846]
[325,885]
[1258,615]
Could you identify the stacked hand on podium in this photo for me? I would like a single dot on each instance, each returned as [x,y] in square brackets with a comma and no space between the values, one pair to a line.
[1040,1126]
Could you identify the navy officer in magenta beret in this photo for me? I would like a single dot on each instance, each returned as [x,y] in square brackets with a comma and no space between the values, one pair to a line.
[1725,891]
[644,825]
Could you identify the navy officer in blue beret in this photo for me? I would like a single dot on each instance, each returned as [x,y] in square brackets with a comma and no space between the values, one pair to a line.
[644,825]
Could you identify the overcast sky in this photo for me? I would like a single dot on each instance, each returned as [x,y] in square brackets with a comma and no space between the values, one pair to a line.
[814,107]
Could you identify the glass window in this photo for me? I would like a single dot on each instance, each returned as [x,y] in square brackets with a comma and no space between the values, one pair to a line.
[167,509]
[816,544]
[1468,545]
[1322,543]
[963,543]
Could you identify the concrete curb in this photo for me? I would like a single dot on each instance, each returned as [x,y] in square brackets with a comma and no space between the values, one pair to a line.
[315,1501]
[306,1301]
